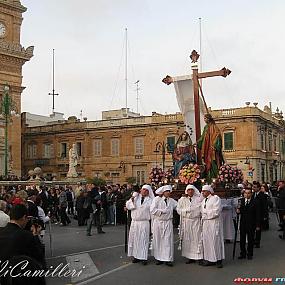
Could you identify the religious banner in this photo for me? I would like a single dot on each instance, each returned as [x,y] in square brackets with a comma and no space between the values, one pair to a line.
[185,98]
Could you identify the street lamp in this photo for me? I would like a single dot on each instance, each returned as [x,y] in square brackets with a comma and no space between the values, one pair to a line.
[8,109]
[122,166]
[162,146]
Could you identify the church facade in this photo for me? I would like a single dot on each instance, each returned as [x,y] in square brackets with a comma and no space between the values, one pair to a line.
[12,57]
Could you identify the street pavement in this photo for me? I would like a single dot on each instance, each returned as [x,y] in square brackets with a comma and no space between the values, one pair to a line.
[106,262]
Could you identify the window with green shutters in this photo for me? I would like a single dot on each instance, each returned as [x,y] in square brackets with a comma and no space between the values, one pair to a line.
[170,143]
[228,141]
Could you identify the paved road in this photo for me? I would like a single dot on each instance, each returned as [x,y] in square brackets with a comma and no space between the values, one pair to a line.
[107,263]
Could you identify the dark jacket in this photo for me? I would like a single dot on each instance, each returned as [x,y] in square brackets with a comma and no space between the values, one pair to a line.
[69,197]
[62,199]
[16,241]
[263,204]
[45,201]
[250,215]
[281,199]
[32,209]
[103,198]
[79,202]
[95,198]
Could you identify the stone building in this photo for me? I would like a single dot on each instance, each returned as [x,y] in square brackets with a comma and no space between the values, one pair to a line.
[254,140]
[12,58]
[113,149]
[116,149]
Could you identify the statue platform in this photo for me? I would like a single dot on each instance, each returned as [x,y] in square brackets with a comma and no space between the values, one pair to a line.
[220,190]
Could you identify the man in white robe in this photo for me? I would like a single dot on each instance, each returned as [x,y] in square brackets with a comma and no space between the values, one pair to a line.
[139,205]
[189,209]
[162,227]
[159,193]
[212,228]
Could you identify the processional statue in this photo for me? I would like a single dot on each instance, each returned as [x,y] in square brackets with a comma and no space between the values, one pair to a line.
[184,152]
[194,109]
[73,161]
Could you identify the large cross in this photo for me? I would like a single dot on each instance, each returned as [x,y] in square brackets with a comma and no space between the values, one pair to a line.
[196,86]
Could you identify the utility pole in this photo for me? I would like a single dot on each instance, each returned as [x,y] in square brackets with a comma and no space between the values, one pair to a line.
[53,90]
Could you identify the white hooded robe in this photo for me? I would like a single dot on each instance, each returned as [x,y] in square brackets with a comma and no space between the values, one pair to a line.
[140,227]
[190,227]
[162,229]
[212,229]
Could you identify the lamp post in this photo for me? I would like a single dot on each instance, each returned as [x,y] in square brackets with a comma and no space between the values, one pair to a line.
[122,166]
[162,146]
[8,108]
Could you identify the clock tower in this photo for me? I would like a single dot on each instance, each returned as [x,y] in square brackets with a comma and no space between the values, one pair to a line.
[12,58]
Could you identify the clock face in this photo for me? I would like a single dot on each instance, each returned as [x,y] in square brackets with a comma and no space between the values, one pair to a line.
[2,30]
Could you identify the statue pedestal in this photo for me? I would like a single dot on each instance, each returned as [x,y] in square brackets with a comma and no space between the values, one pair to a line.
[73,179]
[72,173]
[226,192]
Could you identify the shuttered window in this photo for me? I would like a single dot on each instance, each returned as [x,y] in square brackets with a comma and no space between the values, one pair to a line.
[228,141]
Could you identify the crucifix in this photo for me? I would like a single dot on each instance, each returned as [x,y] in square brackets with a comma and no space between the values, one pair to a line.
[194,79]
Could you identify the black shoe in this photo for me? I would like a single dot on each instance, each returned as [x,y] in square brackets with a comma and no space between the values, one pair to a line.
[88,234]
[249,257]
[158,262]
[201,262]
[169,263]
[189,261]
[241,257]
[208,263]
[281,237]
[144,262]
[135,260]
[101,232]
[219,264]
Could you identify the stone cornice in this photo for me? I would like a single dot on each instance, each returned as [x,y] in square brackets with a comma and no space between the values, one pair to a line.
[16,50]
[14,5]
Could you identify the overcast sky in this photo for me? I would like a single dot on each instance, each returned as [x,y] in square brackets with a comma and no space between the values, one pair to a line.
[88,37]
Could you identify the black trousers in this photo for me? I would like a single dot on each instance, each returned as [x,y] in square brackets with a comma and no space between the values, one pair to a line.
[94,219]
[63,216]
[257,237]
[80,217]
[249,233]
[70,209]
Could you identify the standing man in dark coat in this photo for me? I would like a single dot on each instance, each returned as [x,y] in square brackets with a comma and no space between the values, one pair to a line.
[263,206]
[250,221]
[95,206]
[104,203]
[45,198]
[62,208]
[69,198]
[281,206]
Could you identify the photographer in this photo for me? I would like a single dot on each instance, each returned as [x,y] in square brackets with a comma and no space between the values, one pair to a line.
[23,242]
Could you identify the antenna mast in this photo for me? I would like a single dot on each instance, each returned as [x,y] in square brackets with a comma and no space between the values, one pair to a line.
[53,88]
[126,72]
[137,89]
